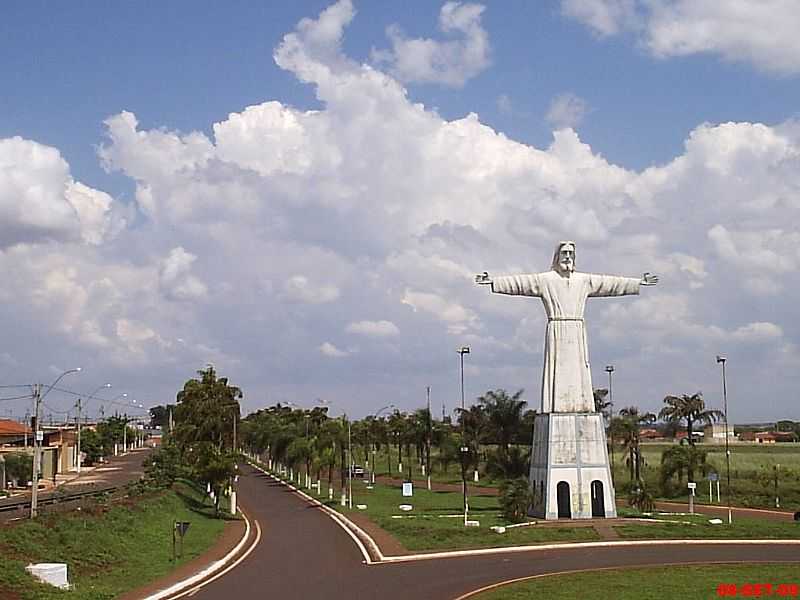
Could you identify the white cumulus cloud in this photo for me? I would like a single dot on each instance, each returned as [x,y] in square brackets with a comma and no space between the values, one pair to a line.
[374,328]
[450,62]
[762,33]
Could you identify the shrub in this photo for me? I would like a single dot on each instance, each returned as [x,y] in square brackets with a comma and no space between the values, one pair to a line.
[515,499]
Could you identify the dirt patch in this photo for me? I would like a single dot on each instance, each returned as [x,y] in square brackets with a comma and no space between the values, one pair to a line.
[389,545]
[6,594]
[231,534]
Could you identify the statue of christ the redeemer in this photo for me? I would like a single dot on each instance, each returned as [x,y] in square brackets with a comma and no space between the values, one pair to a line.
[566,379]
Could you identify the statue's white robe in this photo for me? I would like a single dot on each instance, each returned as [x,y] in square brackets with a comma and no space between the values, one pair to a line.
[566,376]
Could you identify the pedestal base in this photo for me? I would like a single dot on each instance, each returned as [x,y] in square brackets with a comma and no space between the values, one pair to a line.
[570,475]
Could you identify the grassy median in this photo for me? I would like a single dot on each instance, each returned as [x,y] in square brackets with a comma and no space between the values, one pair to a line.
[108,549]
[656,583]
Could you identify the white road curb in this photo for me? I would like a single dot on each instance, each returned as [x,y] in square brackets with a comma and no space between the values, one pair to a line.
[208,571]
[349,527]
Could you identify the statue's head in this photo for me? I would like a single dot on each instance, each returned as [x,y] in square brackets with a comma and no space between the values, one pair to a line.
[564,257]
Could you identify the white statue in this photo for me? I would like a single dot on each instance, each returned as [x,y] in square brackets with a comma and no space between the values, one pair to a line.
[566,378]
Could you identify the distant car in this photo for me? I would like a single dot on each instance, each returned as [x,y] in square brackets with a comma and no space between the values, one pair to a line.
[358,471]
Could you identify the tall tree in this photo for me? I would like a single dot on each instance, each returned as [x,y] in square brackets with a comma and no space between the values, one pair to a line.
[503,417]
[625,429]
[207,409]
[690,409]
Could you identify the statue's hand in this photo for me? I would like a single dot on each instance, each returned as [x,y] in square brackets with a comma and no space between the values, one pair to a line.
[483,279]
[649,279]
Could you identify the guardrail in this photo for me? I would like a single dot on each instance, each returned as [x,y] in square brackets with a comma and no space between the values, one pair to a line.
[55,498]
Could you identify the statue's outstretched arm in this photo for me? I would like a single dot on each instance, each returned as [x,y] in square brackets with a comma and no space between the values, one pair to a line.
[649,279]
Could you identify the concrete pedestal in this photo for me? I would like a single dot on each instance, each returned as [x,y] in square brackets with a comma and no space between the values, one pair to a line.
[570,475]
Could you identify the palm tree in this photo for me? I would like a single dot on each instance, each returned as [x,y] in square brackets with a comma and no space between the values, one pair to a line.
[691,409]
[625,428]
[601,405]
[503,415]
[678,460]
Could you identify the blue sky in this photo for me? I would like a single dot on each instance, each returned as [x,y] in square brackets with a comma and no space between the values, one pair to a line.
[636,82]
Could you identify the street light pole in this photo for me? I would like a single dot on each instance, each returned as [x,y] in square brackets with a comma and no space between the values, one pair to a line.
[374,464]
[350,462]
[464,449]
[78,459]
[610,370]
[722,360]
[37,442]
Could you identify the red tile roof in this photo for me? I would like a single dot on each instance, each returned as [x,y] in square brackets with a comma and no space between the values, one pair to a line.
[8,427]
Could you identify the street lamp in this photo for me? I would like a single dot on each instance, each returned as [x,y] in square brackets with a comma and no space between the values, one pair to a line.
[610,370]
[78,458]
[374,464]
[464,449]
[722,360]
[37,439]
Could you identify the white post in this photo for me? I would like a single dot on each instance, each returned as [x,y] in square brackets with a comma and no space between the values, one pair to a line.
[233,502]
[718,498]
[475,476]
[330,493]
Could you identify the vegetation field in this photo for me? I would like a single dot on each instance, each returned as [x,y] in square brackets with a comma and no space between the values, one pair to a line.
[656,583]
[753,472]
[108,549]
[436,522]
[698,527]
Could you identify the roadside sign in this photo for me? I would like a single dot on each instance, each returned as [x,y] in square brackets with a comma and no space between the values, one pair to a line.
[713,476]
[181,527]
[692,485]
[40,436]
[408,489]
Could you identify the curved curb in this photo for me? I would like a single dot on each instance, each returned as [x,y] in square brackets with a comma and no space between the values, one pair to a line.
[500,584]
[358,535]
[579,546]
[208,571]
[355,532]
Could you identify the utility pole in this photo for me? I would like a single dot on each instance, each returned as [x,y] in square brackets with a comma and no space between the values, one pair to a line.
[37,398]
[78,421]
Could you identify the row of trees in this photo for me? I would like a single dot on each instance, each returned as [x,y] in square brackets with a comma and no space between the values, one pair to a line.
[310,439]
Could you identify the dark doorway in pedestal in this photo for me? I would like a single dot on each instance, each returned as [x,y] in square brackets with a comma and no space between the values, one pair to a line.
[562,497]
[598,502]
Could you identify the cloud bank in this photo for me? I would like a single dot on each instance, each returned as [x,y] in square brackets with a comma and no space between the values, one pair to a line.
[330,252]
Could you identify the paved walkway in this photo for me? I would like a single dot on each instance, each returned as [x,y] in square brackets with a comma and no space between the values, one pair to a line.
[304,554]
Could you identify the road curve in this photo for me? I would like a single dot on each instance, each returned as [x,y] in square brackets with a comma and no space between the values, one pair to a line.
[304,554]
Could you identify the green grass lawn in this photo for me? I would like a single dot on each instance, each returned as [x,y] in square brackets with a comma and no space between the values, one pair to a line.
[427,528]
[697,526]
[654,583]
[108,550]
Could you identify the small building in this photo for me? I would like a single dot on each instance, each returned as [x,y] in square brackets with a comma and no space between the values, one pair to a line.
[13,433]
[715,433]
[649,433]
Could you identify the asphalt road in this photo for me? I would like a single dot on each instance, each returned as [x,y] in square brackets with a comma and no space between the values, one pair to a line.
[116,471]
[304,554]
